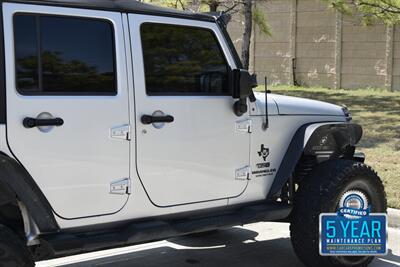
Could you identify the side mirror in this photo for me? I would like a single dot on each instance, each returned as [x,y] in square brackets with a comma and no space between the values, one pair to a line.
[243,83]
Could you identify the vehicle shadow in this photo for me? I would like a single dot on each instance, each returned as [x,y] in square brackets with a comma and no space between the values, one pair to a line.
[230,247]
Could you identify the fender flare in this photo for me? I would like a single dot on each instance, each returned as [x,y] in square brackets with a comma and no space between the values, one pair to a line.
[16,179]
[307,139]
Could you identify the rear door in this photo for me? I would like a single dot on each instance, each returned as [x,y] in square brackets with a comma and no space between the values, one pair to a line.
[194,150]
[70,75]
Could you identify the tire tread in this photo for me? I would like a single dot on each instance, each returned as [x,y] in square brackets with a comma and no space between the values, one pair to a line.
[317,194]
[13,252]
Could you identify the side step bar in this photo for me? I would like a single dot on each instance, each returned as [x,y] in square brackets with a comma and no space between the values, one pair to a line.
[65,243]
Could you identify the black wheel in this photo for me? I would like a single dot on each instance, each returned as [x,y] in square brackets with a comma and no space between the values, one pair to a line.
[13,252]
[321,192]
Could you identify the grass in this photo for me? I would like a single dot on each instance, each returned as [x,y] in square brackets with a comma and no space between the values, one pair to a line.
[378,111]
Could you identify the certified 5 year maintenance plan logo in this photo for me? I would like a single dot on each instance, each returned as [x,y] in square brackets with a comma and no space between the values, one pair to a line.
[353,230]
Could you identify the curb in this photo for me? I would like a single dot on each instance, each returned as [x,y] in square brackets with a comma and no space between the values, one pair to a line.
[394,218]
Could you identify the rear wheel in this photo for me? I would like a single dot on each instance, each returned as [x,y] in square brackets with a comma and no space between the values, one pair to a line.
[13,252]
[327,187]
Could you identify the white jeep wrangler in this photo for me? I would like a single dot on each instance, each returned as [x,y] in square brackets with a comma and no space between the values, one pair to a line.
[123,123]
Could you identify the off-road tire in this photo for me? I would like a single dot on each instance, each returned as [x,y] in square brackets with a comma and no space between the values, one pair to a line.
[13,252]
[319,193]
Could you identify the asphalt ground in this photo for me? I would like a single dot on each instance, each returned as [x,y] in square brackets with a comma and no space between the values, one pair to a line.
[259,244]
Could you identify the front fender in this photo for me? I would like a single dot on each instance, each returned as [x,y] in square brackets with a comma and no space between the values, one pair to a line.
[327,140]
[324,140]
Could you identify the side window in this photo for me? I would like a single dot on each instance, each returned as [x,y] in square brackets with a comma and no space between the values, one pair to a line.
[181,60]
[57,55]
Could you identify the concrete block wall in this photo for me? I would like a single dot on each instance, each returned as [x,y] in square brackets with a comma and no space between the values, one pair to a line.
[363,54]
[330,50]
[272,55]
[396,58]
[315,44]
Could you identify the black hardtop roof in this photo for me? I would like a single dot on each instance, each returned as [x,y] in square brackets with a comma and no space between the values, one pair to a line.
[126,6]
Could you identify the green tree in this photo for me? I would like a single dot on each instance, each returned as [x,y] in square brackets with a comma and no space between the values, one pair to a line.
[61,74]
[247,13]
[387,11]
[177,4]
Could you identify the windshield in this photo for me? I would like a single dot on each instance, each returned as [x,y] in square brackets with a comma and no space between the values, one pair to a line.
[232,48]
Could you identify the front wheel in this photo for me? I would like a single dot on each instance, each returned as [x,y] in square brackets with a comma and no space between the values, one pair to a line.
[13,252]
[322,192]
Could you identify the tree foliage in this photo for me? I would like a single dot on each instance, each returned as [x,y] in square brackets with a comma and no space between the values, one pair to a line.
[60,73]
[176,58]
[244,10]
[260,20]
[387,11]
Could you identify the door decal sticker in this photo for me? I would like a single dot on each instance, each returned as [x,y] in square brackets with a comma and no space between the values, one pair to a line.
[264,152]
[264,168]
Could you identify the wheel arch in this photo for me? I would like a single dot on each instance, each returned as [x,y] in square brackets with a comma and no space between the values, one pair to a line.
[321,140]
[17,185]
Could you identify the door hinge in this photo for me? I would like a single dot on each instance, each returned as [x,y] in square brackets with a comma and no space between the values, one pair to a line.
[244,126]
[121,187]
[243,173]
[121,132]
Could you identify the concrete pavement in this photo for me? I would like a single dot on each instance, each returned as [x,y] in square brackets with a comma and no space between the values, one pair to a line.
[260,244]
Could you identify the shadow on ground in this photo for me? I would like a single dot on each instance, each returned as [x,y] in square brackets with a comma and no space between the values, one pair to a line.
[231,247]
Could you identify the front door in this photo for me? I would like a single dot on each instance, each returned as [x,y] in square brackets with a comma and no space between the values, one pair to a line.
[64,94]
[189,145]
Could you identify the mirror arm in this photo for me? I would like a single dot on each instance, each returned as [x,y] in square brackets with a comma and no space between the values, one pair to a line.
[252,98]
[254,84]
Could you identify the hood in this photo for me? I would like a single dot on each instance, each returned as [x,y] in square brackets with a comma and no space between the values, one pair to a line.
[288,105]
[258,107]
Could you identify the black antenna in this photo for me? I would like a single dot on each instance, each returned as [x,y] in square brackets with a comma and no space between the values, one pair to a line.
[266,124]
